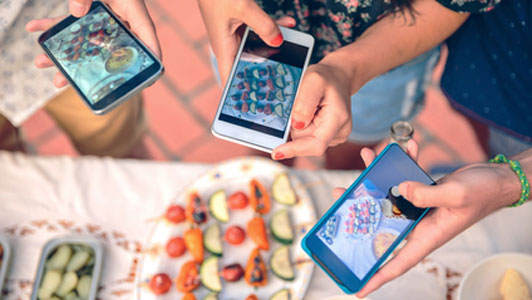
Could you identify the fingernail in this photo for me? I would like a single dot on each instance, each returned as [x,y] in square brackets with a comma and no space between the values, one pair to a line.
[77,9]
[278,40]
[403,189]
[299,124]
[279,155]
[292,25]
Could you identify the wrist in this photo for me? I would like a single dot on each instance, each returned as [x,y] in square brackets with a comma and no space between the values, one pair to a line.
[508,184]
[350,66]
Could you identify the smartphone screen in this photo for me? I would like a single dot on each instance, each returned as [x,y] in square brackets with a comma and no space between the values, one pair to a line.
[370,217]
[262,91]
[97,54]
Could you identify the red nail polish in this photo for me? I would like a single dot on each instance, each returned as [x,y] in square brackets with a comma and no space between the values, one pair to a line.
[278,40]
[279,155]
[299,125]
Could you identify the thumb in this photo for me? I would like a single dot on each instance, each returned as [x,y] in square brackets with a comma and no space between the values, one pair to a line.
[266,28]
[79,8]
[422,195]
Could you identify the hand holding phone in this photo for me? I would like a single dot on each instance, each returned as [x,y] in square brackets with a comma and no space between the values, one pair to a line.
[99,56]
[355,237]
[257,101]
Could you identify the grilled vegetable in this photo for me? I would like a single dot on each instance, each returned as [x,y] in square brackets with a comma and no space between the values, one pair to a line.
[255,273]
[218,206]
[252,297]
[188,279]
[283,294]
[259,199]
[175,247]
[282,190]
[235,235]
[160,283]
[257,232]
[196,211]
[281,265]
[211,296]
[232,272]
[212,240]
[194,243]
[281,227]
[209,274]
[188,296]
[238,200]
[175,214]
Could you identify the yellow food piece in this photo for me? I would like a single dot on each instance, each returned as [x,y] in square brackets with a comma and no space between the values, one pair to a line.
[513,286]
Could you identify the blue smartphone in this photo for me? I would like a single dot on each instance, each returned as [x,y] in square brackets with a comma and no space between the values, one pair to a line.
[357,234]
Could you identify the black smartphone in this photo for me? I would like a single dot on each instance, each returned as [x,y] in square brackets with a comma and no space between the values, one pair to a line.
[100,57]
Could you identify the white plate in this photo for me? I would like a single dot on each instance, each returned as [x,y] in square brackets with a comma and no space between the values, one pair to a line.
[232,176]
[483,280]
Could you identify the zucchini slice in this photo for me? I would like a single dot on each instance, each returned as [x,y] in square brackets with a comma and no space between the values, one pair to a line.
[282,190]
[218,206]
[209,276]
[281,265]
[212,239]
[283,294]
[211,296]
[281,227]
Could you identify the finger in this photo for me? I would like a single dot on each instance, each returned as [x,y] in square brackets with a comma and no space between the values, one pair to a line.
[142,25]
[308,146]
[60,80]
[42,24]
[417,248]
[250,13]
[286,21]
[308,99]
[447,194]
[43,61]
[338,192]
[79,8]
[412,148]
[367,155]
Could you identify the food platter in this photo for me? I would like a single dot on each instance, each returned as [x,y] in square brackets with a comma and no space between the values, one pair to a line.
[280,222]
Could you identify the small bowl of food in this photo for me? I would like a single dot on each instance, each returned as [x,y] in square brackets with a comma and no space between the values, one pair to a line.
[69,268]
[5,254]
[506,276]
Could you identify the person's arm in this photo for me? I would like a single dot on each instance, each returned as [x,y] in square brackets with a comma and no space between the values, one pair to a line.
[133,12]
[321,114]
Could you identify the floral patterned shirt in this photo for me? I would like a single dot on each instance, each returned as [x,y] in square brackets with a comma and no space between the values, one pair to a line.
[336,23]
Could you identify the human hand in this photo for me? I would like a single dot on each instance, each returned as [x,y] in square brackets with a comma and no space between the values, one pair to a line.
[321,115]
[224,19]
[458,201]
[134,14]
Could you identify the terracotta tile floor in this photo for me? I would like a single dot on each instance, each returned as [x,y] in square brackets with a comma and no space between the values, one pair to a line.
[182,104]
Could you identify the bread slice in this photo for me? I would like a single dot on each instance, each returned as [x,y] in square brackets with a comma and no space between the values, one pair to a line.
[513,286]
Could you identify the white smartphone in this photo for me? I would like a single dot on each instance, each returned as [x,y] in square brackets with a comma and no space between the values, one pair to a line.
[257,101]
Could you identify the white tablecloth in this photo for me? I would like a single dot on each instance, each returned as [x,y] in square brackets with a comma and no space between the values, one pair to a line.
[114,200]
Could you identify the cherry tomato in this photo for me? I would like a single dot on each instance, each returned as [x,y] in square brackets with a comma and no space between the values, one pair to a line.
[160,283]
[235,235]
[232,272]
[175,214]
[175,247]
[238,200]
[252,297]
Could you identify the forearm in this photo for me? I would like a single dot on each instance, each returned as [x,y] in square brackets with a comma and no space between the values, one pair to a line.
[394,40]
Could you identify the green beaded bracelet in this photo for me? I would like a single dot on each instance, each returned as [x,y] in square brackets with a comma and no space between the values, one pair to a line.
[516,167]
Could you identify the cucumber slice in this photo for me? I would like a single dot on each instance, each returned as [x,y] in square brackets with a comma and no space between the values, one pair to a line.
[211,296]
[209,276]
[281,70]
[218,206]
[283,294]
[253,107]
[281,265]
[212,240]
[281,227]
[282,190]
[279,110]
